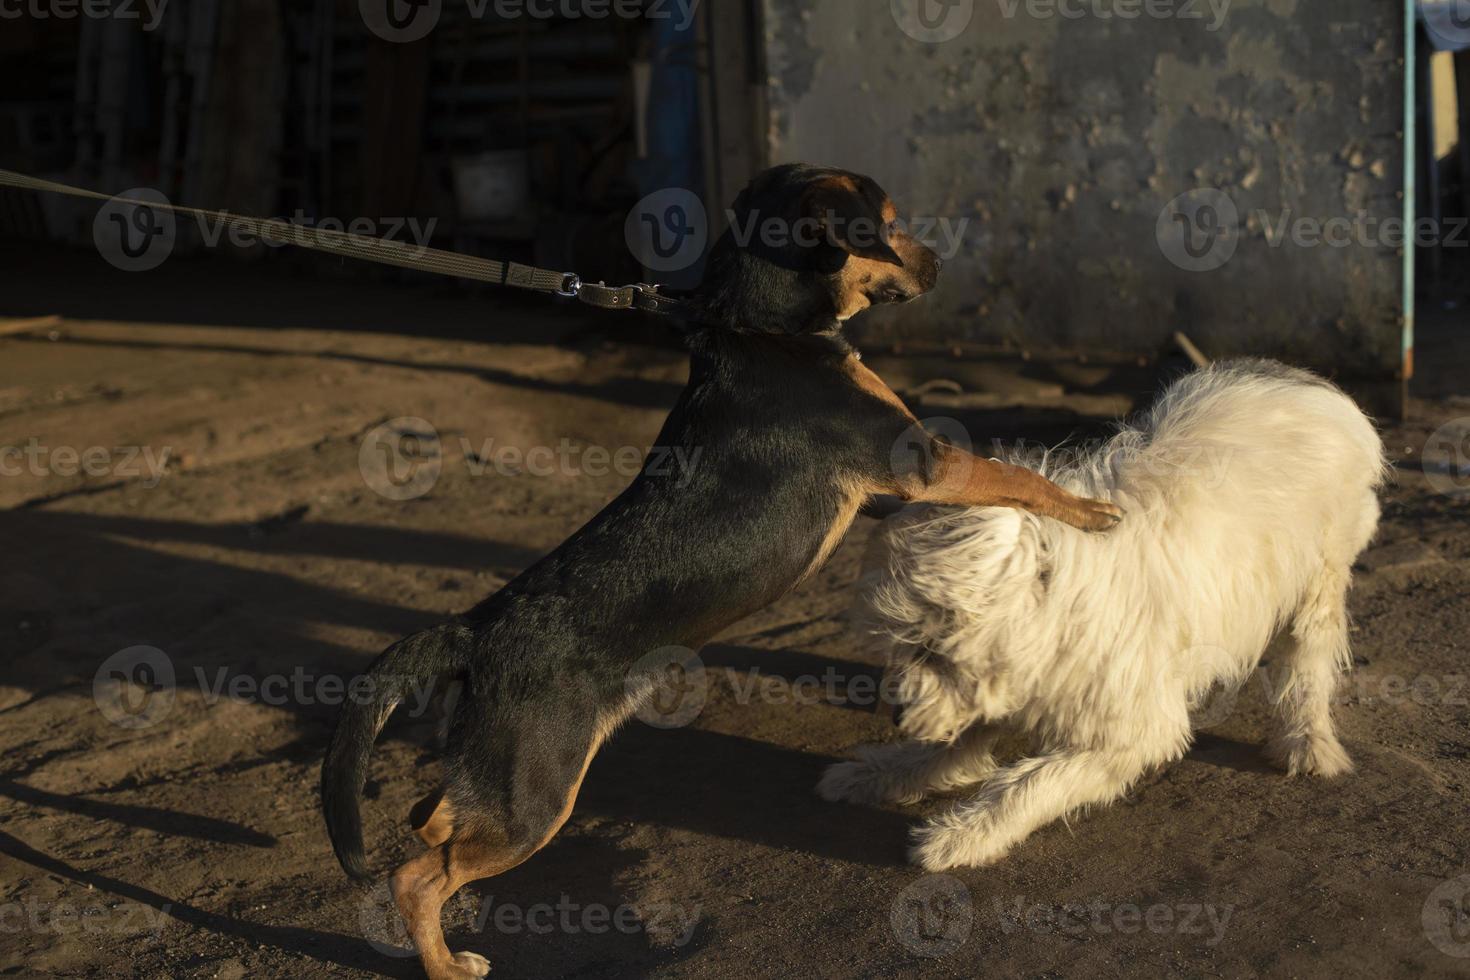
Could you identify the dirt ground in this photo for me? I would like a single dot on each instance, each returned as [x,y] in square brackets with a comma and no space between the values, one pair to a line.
[173,830]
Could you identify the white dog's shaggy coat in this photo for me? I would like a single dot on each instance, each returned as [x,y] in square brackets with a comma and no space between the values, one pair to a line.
[1249,489]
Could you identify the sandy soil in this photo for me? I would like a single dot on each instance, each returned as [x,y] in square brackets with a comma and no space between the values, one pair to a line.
[175,832]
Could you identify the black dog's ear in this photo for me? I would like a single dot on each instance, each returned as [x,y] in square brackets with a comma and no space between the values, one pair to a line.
[850,218]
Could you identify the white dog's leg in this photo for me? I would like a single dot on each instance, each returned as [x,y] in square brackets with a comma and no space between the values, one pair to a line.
[1020,798]
[1316,654]
[903,772]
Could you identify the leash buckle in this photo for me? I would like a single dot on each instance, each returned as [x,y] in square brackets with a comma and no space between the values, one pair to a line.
[571,285]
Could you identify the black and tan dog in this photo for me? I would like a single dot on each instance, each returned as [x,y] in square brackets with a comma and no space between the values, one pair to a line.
[794,435]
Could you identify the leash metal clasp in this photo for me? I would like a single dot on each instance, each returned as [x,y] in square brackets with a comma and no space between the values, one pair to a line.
[571,285]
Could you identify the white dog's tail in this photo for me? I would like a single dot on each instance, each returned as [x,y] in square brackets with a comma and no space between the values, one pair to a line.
[1205,432]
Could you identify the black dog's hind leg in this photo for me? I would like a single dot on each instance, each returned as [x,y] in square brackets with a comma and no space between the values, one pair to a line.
[538,785]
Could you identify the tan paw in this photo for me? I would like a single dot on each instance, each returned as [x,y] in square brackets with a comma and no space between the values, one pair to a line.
[468,965]
[1096,515]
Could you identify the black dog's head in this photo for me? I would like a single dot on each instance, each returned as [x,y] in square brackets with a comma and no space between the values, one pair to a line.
[807,248]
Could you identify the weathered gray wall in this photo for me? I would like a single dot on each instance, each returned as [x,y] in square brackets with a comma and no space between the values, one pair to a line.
[1061,139]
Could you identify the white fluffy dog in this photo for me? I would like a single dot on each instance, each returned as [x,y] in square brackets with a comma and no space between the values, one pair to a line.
[1249,489]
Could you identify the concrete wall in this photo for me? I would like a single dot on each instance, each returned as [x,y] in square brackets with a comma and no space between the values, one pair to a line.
[1062,139]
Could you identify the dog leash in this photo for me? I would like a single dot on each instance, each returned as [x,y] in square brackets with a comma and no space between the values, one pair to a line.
[645,297]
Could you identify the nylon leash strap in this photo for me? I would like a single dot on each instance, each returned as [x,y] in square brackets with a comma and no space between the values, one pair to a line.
[638,296]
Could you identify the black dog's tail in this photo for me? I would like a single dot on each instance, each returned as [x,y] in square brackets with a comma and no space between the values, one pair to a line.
[407,665]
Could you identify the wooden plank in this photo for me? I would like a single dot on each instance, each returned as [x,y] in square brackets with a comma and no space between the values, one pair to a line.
[1190,350]
[9,328]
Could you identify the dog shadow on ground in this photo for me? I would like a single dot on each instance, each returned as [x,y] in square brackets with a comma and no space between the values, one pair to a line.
[737,788]
[806,677]
[546,918]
